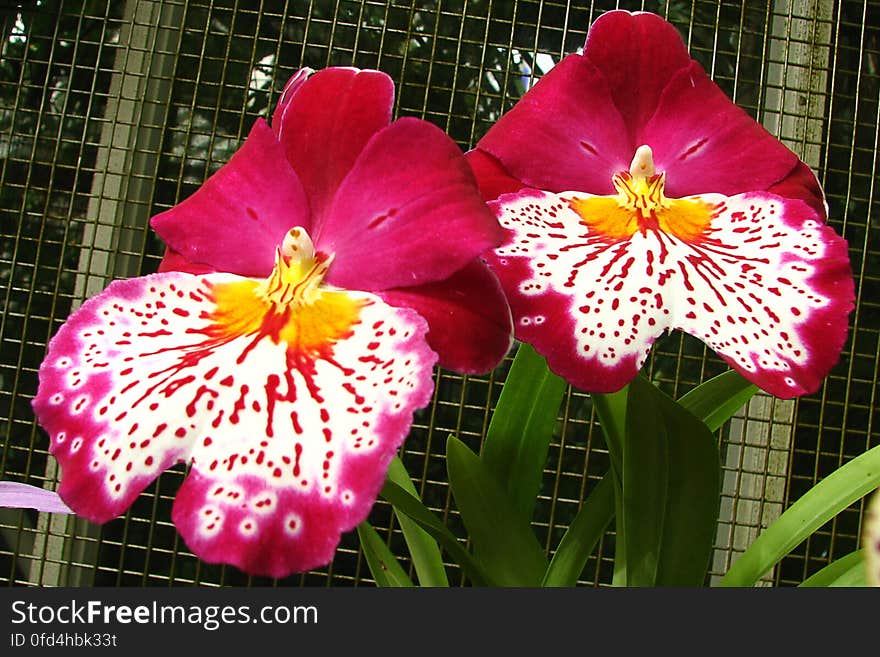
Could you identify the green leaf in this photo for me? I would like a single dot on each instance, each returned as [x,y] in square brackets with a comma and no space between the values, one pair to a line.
[846,571]
[503,542]
[645,473]
[857,576]
[715,401]
[871,540]
[611,409]
[516,444]
[671,490]
[424,551]
[821,503]
[582,535]
[412,506]
[386,570]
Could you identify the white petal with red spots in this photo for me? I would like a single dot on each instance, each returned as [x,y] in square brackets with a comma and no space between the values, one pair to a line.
[758,286]
[287,451]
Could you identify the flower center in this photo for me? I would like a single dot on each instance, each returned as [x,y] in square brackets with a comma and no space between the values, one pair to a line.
[641,205]
[291,305]
[298,271]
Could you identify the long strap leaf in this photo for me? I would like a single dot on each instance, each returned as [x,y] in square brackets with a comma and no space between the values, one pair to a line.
[411,506]
[821,503]
[518,438]
[611,410]
[385,568]
[715,401]
[671,490]
[841,572]
[504,542]
[424,551]
[582,535]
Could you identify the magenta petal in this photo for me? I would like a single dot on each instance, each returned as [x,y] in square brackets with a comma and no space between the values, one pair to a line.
[217,519]
[22,496]
[326,121]
[801,183]
[492,178]
[290,89]
[565,133]
[637,54]
[234,221]
[469,320]
[635,84]
[707,144]
[173,261]
[408,213]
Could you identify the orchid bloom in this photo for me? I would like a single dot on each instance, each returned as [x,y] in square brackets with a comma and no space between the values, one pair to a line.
[310,286]
[16,495]
[638,199]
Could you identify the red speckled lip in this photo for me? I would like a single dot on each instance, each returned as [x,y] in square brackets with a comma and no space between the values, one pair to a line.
[288,446]
[766,285]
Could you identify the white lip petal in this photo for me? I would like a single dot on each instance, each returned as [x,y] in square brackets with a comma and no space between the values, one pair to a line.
[291,415]
[754,283]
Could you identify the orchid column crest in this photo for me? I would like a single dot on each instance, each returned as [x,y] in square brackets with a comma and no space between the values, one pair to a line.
[309,288]
[638,199]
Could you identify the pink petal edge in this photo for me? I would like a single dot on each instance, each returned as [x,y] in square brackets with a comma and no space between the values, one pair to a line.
[493,179]
[290,90]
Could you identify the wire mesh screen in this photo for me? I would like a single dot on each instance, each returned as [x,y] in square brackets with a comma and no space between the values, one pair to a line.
[111,112]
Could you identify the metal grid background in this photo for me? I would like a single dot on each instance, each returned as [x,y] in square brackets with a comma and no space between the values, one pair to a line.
[113,111]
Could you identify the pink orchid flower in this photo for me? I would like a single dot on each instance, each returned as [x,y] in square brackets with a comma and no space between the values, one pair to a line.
[23,496]
[309,287]
[662,206]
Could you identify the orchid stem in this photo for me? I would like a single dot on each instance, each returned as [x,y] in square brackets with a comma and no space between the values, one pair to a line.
[611,409]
